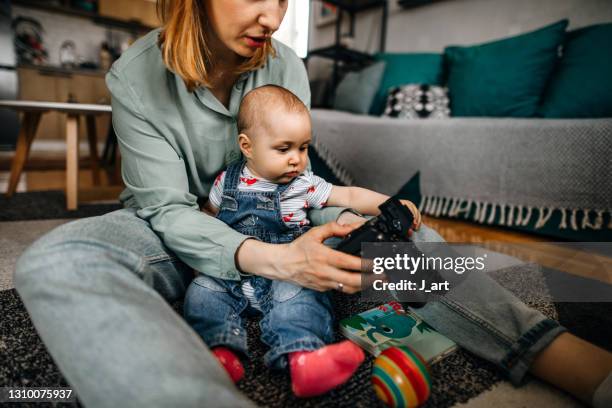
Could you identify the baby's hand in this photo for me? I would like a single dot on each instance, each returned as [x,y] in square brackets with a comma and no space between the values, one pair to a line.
[348,217]
[415,212]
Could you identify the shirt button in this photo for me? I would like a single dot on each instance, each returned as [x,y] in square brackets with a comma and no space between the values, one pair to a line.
[236,332]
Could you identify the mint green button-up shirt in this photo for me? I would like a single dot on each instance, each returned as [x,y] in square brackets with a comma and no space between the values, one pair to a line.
[173,143]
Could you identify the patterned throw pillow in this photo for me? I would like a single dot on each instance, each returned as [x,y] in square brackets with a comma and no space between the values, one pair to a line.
[416,101]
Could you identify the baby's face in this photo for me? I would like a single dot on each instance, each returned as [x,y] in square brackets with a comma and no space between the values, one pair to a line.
[280,145]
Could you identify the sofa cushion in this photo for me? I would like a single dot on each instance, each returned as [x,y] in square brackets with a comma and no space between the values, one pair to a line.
[406,68]
[504,78]
[581,85]
[357,89]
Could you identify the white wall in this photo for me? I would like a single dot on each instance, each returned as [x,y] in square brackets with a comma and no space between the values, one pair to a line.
[294,28]
[430,28]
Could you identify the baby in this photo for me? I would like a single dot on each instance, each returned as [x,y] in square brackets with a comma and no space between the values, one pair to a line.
[267,196]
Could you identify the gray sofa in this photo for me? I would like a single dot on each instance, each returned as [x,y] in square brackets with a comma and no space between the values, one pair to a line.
[544,175]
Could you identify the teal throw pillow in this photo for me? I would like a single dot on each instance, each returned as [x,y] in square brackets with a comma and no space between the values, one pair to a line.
[357,89]
[581,85]
[504,78]
[403,69]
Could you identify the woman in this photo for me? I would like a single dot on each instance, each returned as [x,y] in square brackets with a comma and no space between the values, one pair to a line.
[97,289]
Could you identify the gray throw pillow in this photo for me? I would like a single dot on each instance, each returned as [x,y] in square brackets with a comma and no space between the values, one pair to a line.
[356,91]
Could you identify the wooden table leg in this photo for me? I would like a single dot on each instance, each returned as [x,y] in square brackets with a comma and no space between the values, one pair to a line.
[93,148]
[29,126]
[72,161]
[117,178]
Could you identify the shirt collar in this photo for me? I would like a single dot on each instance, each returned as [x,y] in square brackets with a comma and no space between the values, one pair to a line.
[247,173]
[206,97]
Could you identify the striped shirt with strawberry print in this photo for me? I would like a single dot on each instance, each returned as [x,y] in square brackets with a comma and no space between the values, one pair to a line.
[305,192]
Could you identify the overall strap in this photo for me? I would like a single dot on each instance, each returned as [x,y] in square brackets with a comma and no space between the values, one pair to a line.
[280,188]
[232,176]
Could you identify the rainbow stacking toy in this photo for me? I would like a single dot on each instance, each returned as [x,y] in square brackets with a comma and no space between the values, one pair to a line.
[401,378]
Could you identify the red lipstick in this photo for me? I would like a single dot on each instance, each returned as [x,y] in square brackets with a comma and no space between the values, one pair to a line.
[256,42]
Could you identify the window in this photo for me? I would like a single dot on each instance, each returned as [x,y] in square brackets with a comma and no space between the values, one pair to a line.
[294,29]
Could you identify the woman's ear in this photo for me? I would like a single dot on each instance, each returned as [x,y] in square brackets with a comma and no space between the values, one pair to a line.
[245,145]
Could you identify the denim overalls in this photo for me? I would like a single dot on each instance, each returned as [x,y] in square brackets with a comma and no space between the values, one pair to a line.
[294,318]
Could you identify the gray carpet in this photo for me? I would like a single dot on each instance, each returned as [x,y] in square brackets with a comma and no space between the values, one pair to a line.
[15,236]
[460,378]
[46,205]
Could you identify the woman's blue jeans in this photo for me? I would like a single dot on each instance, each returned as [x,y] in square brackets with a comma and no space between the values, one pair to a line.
[97,291]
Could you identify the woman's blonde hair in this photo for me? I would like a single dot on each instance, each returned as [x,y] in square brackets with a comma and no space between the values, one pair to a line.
[183,42]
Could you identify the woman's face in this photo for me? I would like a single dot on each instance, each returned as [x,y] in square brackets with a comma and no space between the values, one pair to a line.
[243,26]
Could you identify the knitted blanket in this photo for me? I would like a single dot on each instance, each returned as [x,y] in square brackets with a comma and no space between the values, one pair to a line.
[513,171]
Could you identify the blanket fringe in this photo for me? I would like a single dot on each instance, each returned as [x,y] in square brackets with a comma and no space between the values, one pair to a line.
[527,218]
[483,213]
[519,219]
[432,205]
[492,215]
[513,214]
[502,215]
[586,220]
[339,171]
[544,215]
[573,222]
[429,205]
[422,203]
[465,208]
[563,223]
[446,205]
[440,205]
[476,211]
[452,212]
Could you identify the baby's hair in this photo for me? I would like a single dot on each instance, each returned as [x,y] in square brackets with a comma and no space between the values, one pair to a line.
[263,98]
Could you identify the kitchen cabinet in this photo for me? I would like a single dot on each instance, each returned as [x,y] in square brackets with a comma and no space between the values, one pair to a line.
[143,11]
[53,85]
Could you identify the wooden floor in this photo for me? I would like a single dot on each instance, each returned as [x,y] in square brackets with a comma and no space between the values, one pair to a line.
[527,247]
[46,172]
[461,231]
[542,250]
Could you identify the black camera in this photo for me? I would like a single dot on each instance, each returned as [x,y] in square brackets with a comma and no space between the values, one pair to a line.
[392,225]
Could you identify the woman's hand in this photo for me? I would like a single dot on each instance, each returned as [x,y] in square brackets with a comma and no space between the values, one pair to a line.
[309,263]
[306,261]
[415,212]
